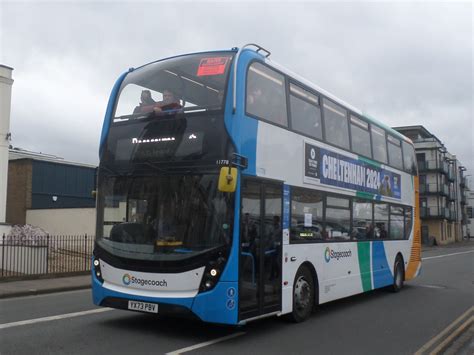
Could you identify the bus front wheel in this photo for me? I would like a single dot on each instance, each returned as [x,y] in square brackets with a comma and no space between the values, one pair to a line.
[303,296]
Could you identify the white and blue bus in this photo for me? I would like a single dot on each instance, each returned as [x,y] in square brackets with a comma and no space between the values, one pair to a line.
[231,189]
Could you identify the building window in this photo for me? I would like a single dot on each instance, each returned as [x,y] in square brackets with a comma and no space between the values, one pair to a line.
[335,125]
[306,215]
[305,112]
[266,98]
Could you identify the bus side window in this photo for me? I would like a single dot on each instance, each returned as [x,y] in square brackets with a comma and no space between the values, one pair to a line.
[395,152]
[379,144]
[381,220]
[409,158]
[396,222]
[360,137]
[335,124]
[305,112]
[266,98]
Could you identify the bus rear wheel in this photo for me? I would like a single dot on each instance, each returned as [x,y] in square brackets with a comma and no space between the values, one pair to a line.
[398,275]
[303,296]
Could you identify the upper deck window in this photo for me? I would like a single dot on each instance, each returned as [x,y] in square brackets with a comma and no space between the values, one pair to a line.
[395,152]
[335,124]
[409,158]
[193,82]
[360,137]
[379,144]
[266,97]
[305,112]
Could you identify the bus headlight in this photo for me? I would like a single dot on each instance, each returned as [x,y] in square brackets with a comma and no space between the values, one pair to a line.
[97,271]
[212,273]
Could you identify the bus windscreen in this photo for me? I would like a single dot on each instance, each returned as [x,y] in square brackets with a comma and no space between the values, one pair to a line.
[185,84]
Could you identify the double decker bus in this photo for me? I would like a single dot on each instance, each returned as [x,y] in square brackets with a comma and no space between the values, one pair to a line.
[231,189]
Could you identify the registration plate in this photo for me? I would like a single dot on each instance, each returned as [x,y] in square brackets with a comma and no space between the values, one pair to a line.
[143,306]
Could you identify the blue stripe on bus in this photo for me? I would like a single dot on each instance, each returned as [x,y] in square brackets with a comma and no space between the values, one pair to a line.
[381,270]
[242,129]
[219,305]
[109,111]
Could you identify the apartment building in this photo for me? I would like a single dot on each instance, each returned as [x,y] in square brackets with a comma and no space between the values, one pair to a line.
[442,188]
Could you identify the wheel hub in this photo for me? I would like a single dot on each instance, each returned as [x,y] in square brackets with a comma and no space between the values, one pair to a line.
[302,293]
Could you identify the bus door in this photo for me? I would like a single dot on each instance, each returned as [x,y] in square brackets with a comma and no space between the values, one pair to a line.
[260,248]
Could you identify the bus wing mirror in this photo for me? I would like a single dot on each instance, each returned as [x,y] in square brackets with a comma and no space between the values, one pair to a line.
[227,179]
[94,193]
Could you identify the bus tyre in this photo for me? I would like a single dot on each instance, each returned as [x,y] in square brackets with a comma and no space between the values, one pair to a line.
[303,296]
[398,275]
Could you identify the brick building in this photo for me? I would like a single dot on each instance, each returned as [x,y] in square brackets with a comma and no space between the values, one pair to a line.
[46,191]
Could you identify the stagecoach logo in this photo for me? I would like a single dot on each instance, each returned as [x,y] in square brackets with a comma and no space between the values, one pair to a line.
[128,279]
[327,255]
[332,254]
[313,153]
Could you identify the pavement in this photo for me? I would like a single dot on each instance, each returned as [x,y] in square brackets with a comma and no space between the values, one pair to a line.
[11,289]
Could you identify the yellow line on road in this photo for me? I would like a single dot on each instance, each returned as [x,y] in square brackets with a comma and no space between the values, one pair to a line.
[453,336]
[446,331]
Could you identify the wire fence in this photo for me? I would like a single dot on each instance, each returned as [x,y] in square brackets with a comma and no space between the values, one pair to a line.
[21,256]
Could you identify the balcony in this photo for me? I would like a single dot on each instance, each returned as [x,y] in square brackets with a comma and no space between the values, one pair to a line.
[451,175]
[452,195]
[434,189]
[435,213]
[463,183]
[433,165]
[452,215]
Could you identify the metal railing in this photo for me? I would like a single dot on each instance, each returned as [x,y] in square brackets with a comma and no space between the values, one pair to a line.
[435,212]
[433,165]
[21,256]
[439,189]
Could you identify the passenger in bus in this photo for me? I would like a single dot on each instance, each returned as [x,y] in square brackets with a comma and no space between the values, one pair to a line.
[170,102]
[369,231]
[147,103]
[255,103]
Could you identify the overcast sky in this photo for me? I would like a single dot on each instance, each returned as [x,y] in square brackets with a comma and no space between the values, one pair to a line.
[407,63]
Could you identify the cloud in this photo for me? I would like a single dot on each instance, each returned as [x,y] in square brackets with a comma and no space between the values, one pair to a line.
[404,63]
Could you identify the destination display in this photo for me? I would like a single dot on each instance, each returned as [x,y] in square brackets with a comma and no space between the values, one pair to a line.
[326,167]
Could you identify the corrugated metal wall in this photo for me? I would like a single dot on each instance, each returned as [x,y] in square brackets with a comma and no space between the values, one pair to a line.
[62,186]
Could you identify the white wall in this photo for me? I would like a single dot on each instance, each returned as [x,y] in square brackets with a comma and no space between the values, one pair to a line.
[6,83]
[67,221]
